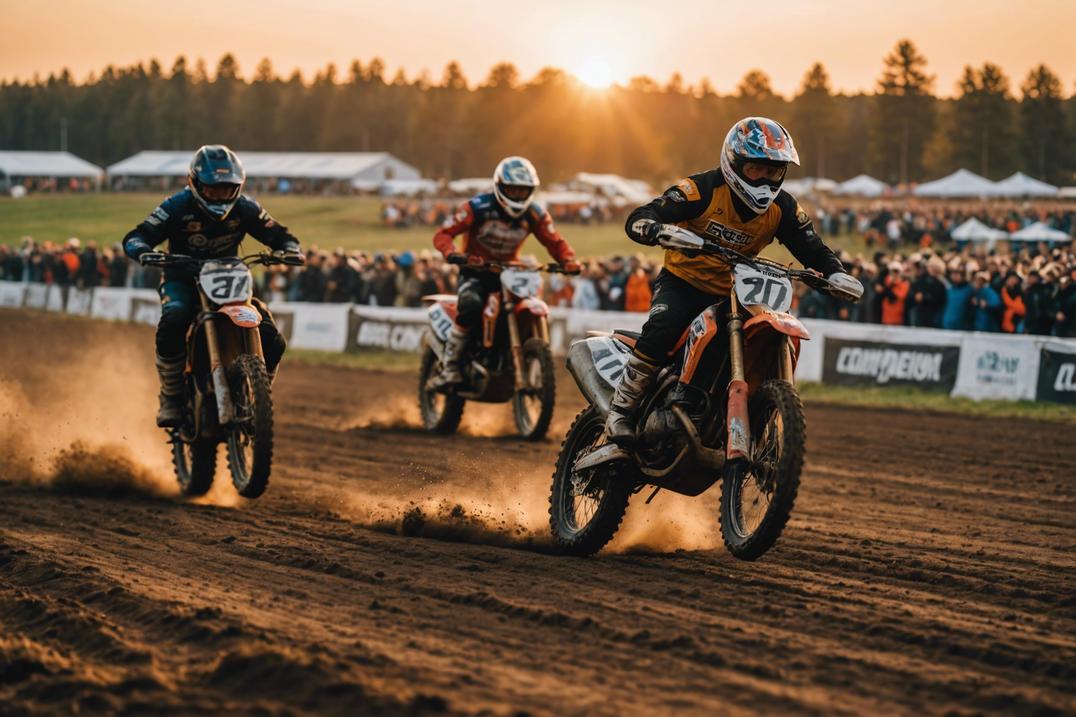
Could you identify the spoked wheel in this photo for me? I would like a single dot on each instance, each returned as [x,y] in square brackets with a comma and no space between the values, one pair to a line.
[195,464]
[757,496]
[441,412]
[250,442]
[533,406]
[585,509]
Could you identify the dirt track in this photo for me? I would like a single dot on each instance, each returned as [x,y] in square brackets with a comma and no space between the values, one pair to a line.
[928,568]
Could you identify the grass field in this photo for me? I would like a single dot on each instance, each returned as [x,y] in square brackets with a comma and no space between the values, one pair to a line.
[326,222]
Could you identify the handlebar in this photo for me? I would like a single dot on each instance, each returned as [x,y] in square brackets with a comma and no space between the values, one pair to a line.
[265,258]
[673,237]
[489,265]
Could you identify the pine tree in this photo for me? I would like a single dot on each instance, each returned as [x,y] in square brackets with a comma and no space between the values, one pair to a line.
[903,115]
[1045,141]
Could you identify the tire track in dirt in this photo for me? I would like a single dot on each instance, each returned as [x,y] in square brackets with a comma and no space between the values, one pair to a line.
[928,568]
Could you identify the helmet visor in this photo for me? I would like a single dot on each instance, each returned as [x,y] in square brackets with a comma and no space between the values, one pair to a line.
[517,192]
[758,172]
[224,192]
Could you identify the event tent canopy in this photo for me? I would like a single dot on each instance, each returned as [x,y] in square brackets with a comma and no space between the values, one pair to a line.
[810,185]
[1039,231]
[960,183]
[630,191]
[863,186]
[1021,185]
[975,230]
[340,166]
[45,164]
[471,185]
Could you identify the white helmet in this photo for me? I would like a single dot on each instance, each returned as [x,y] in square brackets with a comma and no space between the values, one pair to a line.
[514,183]
[761,141]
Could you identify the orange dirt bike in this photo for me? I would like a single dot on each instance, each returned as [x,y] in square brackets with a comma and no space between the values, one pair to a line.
[509,360]
[744,422]
[227,395]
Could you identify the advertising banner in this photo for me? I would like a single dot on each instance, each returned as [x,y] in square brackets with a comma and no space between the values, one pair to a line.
[111,303]
[11,294]
[998,368]
[386,328]
[1057,375]
[874,363]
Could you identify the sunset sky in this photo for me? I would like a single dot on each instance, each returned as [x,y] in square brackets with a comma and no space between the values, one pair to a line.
[601,40]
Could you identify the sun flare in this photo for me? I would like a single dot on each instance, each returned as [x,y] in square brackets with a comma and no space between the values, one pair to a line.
[596,74]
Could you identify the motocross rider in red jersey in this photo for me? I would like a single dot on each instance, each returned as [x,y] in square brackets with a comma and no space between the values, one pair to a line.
[494,226]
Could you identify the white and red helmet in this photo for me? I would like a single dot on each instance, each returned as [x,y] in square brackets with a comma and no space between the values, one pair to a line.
[514,182]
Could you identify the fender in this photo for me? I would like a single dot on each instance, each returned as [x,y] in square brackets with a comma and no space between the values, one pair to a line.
[441,316]
[781,322]
[537,307]
[242,315]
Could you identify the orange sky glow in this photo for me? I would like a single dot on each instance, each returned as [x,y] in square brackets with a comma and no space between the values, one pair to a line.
[600,40]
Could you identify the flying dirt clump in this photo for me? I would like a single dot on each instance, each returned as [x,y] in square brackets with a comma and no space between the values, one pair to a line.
[102,471]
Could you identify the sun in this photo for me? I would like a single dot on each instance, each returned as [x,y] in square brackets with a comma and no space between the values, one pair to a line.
[596,74]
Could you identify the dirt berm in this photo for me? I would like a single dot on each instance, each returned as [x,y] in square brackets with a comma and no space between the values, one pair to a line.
[928,567]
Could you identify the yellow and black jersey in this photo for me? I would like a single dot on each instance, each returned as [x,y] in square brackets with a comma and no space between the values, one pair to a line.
[704,204]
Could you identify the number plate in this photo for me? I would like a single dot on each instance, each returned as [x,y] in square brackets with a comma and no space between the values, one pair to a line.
[757,287]
[226,282]
[523,284]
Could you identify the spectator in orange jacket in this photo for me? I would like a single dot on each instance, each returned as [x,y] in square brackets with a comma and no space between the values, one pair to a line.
[894,295]
[1012,297]
[637,293]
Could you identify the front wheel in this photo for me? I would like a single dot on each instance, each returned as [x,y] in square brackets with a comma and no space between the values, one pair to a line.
[441,411]
[757,496]
[250,441]
[585,509]
[532,406]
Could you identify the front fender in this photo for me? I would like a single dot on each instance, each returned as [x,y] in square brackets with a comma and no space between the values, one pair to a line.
[537,307]
[242,315]
[780,322]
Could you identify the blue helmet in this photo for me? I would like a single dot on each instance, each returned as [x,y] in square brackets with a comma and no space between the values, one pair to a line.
[216,178]
[761,141]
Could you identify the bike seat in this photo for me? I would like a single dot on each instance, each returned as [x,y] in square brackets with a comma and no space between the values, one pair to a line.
[630,338]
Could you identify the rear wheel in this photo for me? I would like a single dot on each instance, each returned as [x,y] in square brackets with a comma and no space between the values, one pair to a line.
[441,412]
[533,406]
[585,509]
[757,496]
[250,441]
[196,464]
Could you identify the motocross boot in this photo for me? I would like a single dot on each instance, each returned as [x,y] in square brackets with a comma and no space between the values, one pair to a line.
[450,374]
[170,372]
[620,424]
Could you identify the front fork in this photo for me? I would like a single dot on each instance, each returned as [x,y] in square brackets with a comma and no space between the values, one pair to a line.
[252,344]
[739,423]
[516,343]
[738,445]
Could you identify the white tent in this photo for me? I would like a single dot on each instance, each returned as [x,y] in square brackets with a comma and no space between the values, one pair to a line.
[810,185]
[960,183]
[975,230]
[359,167]
[619,189]
[471,185]
[1039,231]
[403,187]
[863,186]
[1021,185]
[45,164]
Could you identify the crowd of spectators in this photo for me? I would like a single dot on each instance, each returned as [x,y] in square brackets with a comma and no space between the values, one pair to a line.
[72,264]
[894,224]
[1028,292]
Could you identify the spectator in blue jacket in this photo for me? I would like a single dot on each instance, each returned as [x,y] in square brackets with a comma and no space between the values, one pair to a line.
[987,304]
[957,302]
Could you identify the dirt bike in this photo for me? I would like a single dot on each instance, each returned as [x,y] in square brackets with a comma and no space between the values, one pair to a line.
[509,361]
[748,431]
[227,394]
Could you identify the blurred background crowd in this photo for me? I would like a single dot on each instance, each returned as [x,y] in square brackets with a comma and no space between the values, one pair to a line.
[1031,290]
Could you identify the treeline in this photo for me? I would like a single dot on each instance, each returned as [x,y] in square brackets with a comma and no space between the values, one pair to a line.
[452,127]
